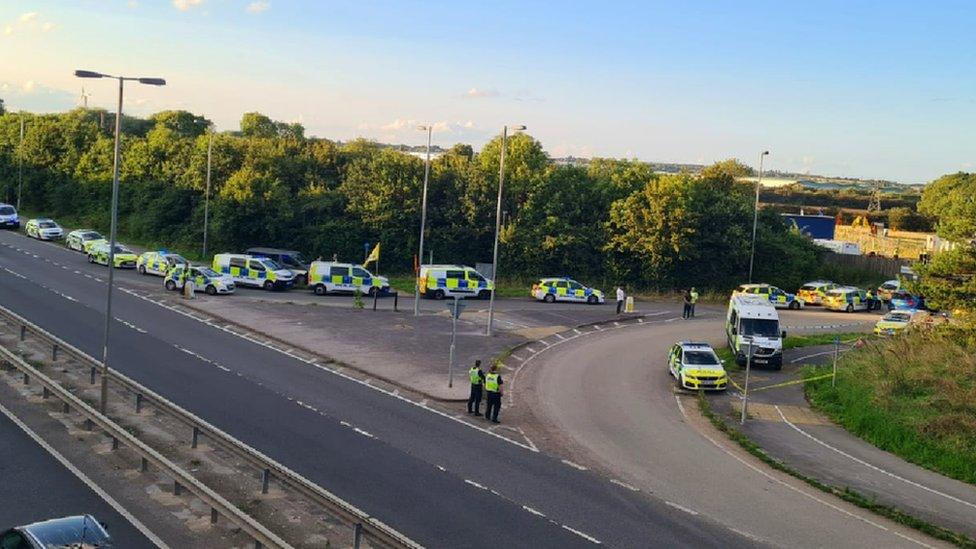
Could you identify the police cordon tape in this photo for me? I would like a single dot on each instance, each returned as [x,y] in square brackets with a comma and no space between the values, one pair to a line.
[372,528]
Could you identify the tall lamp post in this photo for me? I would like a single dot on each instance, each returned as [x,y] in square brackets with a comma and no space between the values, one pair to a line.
[755,213]
[102,403]
[20,163]
[423,221]
[206,196]
[498,225]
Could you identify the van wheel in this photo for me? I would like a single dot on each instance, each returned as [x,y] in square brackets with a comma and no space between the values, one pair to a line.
[142,269]
[438,294]
[319,289]
[592,300]
[549,298]
[373,290]
[91,258]
[211,290]
[268,285]
[170,285]
[794,305]
[484,294]
[850,308]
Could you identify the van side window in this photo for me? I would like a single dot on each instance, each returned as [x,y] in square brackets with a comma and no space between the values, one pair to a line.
[339,271]
[256,265]
[454,274]
[360,272]
[733,318]
[238,262]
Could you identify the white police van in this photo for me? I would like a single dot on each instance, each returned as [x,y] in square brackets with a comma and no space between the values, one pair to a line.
[8,217]
[753,322]
[259,272]
[326,277]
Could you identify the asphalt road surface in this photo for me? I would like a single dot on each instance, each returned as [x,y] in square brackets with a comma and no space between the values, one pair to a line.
[438,480]
[611,398]
[36,486]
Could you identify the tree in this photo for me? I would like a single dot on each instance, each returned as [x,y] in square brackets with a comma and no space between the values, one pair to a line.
[2,109]
[948,280]
[255,124]
[181,123]
[951,200]
[731,168]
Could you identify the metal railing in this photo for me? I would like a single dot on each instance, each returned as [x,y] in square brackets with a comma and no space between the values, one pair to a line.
[363,524]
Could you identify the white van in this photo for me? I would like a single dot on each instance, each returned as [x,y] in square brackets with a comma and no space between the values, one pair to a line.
[259,272]
[326,277]
[440,281]
[753,317]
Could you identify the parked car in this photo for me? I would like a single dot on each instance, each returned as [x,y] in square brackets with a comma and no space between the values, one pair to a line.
[902,300]
[77,531]
[885,290]
[847,299]
[778,298]
[898,321]
[813,292]
[43,229]
[287,259]
[80,240]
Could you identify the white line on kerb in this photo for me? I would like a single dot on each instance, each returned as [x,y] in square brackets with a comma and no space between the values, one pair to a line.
[870,466]
[84,478]
[476,485]
[583,535]
[680,406]
[625,485]
[574,465]
[681,508]
[362,432]
[533,511]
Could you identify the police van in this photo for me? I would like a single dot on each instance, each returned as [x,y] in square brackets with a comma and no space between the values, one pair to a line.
[258,272]
[8,217]
[440,281]
[159,262]
[288,259]
[326,277]
[752,321]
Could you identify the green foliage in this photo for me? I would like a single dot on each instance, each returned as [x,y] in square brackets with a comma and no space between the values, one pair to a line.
[948,280]
[952,200]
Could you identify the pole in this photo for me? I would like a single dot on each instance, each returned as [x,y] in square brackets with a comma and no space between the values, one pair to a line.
[450,366]
[103,400]
[206,196]
[755,214]
[745,393]
[423,222]
[20,163]
[498,226]
[833,379]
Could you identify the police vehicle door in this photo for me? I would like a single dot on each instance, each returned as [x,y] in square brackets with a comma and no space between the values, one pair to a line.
[260,272]
[241,276]
[361,279]
[575,292]
[461,282]
[562,289]
[341,278]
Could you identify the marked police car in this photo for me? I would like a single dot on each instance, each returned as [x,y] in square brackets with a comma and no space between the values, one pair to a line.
[555,289]
[813,293]
[259,272]
[846,298]
[778,298]
[695,366]
[159,262]
[8,217]
[43,229]
[204,278]
[326,277]
[80,239]
[123,258]
[440,281]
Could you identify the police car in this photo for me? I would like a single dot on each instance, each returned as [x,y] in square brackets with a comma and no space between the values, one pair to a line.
[123,258]
[565,289]
[8,217]
[79,239]
[326,277]
[846,298]
[259,272]
[204,278]
[695,366]
[779,298]
[813,293]
[158,262]
[43,229]
[440,281]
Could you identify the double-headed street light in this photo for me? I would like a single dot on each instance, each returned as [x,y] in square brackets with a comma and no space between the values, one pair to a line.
[498,224]
[423,221]
[755,213]
[115,216]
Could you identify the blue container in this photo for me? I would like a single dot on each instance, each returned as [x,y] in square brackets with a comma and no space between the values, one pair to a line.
[814,226]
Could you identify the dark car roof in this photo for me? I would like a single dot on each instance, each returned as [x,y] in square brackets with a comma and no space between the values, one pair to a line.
[271,251]
[68,531]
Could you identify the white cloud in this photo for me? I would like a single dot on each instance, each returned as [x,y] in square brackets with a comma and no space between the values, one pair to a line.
[28,22]
[479,93]
[28,86]
[28,17]
[47,26]
[8,30]
[258,6]
[184,5]
[398,125]
[133,4]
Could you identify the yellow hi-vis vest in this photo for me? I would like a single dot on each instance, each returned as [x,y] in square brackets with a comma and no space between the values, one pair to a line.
[475,375]
[694,297]
[491,383]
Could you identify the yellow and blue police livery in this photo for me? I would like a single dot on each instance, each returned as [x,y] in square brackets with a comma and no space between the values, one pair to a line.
[259,272]
[440,281]
[695,366]
[846,298]
[563,288]
[326,277]
[779,298]
[205,278]
[123,257]
[43,229]
[158,262]
[79,238]
[8,217]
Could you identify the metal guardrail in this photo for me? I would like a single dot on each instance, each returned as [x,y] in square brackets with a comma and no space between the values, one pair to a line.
[182,479]
[364,525]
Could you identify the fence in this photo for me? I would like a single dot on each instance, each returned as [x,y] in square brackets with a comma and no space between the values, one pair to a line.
[876,264]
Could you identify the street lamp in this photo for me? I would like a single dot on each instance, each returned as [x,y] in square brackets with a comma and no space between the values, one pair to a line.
[755,213]
[498,225]
[20,163]
[115,217]
[206,196]
[423,221]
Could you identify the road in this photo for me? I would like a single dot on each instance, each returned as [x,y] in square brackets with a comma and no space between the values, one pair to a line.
[36,486]
[434,477]
[609,399]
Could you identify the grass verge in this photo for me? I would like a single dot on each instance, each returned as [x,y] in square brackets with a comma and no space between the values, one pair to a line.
[797,341]
[845,494]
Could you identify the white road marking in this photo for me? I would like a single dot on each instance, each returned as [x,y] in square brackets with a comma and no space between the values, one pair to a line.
[440,467]
[84,478]
[583,535]
[127,324]
[574,465]
[476,485]
[533,511]
[870,466]
[18,275]
[362,432]
[576,330]
[68,297]
[625,485]
[680,406]
[798,359]
[560,336]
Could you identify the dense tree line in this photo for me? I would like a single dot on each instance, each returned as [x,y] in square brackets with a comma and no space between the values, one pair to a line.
[612,221]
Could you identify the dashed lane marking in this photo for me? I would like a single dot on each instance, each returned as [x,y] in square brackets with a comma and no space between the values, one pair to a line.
[476,485]
[625,485]
[583,535]
[533,511]
[574,465]
[681,508]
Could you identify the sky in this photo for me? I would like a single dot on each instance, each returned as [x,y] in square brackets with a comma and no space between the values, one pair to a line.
[856,89]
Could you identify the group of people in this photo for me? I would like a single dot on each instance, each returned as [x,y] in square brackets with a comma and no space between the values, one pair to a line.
[690,298]
[490,383]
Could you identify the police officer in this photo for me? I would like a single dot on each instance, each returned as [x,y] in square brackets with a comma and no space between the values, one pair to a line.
[477,376]
[493,384]
[693,296]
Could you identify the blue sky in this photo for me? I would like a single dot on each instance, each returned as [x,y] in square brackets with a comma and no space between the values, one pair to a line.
[864,89]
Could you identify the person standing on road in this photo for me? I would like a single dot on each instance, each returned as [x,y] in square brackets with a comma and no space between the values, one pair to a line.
[620,299]
[493,385]
[686,298]
[477,376]
[693,298]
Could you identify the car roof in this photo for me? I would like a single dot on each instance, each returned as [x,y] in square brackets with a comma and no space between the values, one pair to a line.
[818,283]
[39,219]
[697,345]
[271,251]
[68,531]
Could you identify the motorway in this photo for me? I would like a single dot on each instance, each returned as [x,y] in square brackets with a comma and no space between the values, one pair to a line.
[609,399]
[435,478]
[36,486]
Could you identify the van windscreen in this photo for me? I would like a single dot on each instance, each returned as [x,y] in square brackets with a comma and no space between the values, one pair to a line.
[762,327]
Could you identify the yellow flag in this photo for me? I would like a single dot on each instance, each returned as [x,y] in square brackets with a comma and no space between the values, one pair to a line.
[373,255]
